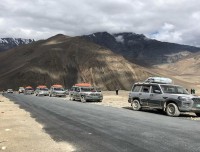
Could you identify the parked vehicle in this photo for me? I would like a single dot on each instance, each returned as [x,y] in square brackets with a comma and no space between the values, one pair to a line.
[41,90]
[10,91]
[163,96]
[57,90]
[28,90]
[21,90]
[74,88]
[85,92]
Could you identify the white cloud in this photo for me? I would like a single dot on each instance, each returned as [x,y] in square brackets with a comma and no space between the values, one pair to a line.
[119,39]
[167,33]
[172,20]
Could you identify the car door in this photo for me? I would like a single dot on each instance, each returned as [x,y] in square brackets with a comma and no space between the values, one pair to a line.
[75,93]
[144,95]
[155,97]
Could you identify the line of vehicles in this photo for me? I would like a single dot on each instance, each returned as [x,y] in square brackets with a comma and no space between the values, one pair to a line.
[81,91]
[154,93]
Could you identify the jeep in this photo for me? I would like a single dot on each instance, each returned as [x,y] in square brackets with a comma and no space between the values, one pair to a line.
[41,90]
[57,91]
[169,98]
[86,94]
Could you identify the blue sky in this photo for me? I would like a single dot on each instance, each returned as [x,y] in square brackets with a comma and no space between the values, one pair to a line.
[175,21]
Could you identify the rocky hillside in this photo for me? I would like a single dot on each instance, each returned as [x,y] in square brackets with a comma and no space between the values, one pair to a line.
[9,43]
[139,49]
[67,60]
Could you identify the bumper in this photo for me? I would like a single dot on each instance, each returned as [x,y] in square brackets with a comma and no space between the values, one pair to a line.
[60,95]
[94,98]
[195,108]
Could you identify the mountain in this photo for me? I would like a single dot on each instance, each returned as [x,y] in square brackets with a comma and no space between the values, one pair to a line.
[9,43]
[67,60]
[139,49]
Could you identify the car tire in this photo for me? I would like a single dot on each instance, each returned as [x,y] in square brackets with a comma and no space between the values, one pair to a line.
[83,99]
[172,110]
[198,114]
[136,105]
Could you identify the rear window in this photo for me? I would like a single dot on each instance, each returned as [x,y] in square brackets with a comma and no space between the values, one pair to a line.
[136,88]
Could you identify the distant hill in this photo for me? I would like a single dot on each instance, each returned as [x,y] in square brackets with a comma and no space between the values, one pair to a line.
[139,49]
[67,60]
[9,43]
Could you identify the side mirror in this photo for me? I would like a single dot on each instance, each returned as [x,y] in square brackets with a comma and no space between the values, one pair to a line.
[157,91]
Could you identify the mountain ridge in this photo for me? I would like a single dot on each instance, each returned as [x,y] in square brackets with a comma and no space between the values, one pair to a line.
[139,49]
[67,60]
[9,43]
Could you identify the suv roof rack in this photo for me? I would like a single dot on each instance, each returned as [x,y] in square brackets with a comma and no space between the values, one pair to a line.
[160,80]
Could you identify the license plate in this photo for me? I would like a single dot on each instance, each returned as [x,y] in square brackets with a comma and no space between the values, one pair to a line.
[198,105]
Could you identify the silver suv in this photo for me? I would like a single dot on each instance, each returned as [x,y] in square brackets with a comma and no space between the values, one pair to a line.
[85,94]
[169,98]
[57,91]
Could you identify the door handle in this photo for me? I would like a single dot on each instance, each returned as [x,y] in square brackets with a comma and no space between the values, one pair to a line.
[140,93]
[151,95]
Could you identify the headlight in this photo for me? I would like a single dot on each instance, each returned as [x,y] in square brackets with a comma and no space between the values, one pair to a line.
[184,98]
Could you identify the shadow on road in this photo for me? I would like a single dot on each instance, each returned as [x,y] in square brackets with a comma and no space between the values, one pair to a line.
[183,115]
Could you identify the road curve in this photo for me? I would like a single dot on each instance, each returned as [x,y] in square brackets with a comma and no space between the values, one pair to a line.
[95,128]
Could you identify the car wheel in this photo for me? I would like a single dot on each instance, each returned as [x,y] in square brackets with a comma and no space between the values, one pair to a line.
[136,105]
[83,99]
[49,95]
[172,110]
[198,114]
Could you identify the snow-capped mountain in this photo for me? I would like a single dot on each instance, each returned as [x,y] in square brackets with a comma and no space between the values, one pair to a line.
[9,43]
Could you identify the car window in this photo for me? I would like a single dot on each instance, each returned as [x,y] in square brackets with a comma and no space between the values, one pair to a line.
[136,88]
[145,89]
[173,89]
[155,87]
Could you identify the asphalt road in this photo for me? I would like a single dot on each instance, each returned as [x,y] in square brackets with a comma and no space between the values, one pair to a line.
[95,128]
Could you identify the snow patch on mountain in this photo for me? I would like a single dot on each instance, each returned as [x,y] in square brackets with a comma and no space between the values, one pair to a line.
[9,43]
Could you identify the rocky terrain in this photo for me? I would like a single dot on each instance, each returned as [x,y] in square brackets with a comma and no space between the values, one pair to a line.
[9,43]
[67,60]
[141,50]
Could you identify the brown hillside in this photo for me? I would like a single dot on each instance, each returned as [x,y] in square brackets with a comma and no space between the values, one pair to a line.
[67,60]
[185,71]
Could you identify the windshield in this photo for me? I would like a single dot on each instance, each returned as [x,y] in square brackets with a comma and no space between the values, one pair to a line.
[44,89]
[59,89]
[88,90]
[173,89]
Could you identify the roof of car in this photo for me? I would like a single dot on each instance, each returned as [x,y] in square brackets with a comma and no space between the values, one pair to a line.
[57,86]
[29,87]
[41,86]
[83,85]
[144,83]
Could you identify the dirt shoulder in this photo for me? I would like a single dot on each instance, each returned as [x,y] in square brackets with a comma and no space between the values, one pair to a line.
[21,133]
[111,99]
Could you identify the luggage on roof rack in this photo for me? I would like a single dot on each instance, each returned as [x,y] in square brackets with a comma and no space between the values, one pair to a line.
[159,80]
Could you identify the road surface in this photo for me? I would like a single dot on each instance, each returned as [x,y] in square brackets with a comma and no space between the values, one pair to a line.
[95,128]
